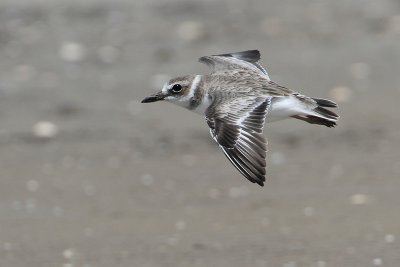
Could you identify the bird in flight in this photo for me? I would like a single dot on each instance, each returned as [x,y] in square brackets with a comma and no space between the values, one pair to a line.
[237,98]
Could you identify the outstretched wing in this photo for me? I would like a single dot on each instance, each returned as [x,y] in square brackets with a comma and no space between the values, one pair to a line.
[240,60]
[237,125]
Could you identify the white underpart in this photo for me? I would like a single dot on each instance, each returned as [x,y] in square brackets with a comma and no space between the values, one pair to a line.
[285,107]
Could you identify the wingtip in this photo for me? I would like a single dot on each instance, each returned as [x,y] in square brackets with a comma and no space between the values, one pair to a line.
[260,184]
[255,51]
[248,55]
[325,103]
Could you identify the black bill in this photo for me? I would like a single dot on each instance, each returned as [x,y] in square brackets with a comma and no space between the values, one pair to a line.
[153,98]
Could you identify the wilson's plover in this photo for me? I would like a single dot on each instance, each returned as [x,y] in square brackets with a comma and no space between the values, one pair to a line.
[237,98]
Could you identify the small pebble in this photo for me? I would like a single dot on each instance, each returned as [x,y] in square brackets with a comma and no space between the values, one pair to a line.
[341,94]
[359,199]
[72,52]
[321,264]
[389,238]
[69,254]
[190,31]
[45,129]
[377,262]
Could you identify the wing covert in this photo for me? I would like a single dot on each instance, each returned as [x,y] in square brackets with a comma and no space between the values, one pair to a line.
[238,60]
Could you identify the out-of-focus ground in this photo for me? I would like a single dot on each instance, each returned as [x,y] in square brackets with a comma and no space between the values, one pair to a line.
[91,177]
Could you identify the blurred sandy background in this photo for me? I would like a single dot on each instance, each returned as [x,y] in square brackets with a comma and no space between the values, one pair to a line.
[91,177]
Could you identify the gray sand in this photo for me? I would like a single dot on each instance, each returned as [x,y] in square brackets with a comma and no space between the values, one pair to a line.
[91,177]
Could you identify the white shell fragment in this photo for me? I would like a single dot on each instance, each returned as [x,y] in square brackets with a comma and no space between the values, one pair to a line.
[190,31]
[341,94]
[360,199]
[377,262]
[72,52]
[45,129]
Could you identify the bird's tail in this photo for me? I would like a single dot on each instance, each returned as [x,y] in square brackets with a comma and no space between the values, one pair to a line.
[320,114]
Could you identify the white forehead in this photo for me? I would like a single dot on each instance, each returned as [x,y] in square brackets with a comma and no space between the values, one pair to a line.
[165,88]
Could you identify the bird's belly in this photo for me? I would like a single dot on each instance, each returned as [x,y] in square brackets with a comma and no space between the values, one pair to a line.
[282,108]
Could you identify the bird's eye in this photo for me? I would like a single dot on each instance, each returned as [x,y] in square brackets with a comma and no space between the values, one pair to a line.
[176,88]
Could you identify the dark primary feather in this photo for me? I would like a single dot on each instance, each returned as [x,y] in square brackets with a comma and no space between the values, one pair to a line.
[237,125]
[316,120]
[326,113]
[325,102]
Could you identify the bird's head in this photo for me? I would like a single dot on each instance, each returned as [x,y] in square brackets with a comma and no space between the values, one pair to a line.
[176,90]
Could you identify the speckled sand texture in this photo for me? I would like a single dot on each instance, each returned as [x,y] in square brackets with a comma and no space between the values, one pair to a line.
[89,177]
